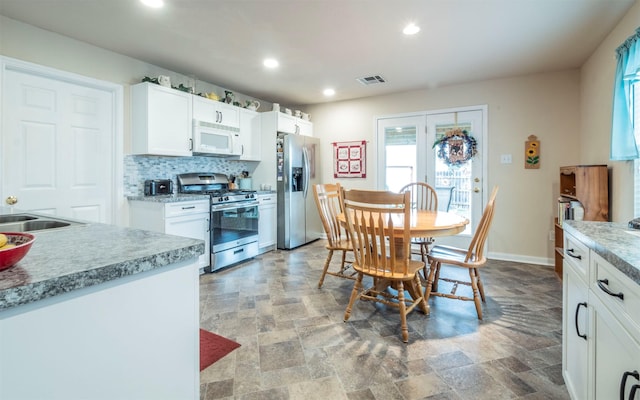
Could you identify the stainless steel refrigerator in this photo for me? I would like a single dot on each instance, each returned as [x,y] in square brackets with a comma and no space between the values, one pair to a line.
[298,170]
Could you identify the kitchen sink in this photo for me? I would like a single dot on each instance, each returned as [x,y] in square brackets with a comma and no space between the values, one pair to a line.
[15,218]
[32,222]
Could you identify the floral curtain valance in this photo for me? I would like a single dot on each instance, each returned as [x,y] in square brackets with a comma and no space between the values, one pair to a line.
[623,143]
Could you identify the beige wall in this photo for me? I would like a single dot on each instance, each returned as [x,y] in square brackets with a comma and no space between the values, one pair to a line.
[545,105]
[595,124]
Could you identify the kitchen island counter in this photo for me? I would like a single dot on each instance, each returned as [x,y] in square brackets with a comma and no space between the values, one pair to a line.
[97,311]
[67,259]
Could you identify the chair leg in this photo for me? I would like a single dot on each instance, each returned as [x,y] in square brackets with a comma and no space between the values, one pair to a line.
[325,269]
[480,285]
[354,295]
[423,303]
[430,281]
[437,277]
[424,249]
[403,312]
[476,294]
[344,260]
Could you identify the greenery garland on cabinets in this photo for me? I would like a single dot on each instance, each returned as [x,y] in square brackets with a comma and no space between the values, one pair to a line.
[456,147]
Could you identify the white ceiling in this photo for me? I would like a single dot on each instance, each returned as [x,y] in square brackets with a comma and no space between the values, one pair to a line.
[324,43]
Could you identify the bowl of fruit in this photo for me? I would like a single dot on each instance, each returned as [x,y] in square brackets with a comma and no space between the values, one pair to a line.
[13,247]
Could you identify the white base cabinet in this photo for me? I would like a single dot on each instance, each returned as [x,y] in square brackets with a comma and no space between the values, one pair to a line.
[267,224]
[601,327]
[185,218]
[136,337]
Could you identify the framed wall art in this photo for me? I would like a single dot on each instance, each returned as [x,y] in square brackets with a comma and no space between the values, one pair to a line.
[349,159]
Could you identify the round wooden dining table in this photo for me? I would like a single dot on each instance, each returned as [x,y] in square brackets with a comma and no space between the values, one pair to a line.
[426,223]
[423,223]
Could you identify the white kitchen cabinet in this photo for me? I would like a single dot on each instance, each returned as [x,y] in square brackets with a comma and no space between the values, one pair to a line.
[215,112]
[267,223]
[161,120]
[290,124]
[305,128]
[185,218]
[575,310]
[616,352]
[603,304]
[250,135]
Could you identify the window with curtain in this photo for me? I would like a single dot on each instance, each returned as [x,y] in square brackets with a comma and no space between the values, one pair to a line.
[623,141]
[625,126]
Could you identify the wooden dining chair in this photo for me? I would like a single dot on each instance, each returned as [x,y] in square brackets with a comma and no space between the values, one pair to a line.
[329,205]
[379,226]
[423,197]
[472,258]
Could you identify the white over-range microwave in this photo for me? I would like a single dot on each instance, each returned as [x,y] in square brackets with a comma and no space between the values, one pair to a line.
[211,139]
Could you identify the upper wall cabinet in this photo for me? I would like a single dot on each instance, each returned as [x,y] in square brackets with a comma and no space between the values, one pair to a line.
[215,112]
[296,126]
[250,135]
[161,120]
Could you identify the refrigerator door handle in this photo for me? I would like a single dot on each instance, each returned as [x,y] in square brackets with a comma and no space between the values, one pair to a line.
[307,173]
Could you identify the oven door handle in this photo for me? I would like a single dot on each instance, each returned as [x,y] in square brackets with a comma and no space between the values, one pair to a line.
[233,206]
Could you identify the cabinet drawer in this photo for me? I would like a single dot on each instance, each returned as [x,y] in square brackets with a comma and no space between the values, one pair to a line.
[186,208]
[265,199]
[617,292]
[577,254]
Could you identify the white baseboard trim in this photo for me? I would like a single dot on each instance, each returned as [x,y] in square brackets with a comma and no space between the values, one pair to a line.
[519,258]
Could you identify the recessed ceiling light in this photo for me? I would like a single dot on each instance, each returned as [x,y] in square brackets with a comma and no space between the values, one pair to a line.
[411,29]
[270,63]
[328,92]
[153,3]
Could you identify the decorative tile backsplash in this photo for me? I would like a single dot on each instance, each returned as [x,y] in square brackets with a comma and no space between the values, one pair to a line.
[138,168]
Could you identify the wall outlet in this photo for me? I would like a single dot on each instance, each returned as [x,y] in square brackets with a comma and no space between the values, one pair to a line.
[505,158]
[552,236]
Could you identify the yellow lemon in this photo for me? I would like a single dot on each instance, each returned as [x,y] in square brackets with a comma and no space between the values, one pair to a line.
[7,246]
[3,239]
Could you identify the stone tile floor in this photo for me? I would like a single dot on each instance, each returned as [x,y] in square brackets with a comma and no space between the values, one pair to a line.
[295,344]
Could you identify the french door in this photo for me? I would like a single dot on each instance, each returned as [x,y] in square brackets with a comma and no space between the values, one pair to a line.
[406,153]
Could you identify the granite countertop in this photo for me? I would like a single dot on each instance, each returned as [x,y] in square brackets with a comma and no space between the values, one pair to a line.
[67,259]
[178,197]
[170,198]
[615,242]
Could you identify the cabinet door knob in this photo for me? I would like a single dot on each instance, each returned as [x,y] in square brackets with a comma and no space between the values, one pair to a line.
[11,200]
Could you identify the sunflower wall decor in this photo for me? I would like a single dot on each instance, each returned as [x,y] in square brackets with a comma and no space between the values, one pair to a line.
[456,147]
[532,153]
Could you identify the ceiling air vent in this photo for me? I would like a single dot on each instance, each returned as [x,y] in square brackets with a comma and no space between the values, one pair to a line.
[370,80]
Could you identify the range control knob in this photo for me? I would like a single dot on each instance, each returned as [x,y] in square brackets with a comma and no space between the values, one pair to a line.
[226,198]
[221,199]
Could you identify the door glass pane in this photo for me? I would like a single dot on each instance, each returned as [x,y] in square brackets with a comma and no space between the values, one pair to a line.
[400,156]
[457,176]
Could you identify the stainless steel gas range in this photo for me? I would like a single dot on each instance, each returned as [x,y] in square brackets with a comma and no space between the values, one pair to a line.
[233,219]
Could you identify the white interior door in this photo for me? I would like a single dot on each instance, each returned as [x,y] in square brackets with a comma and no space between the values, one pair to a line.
[58,142]
[399,160]
[406,153]
[466,178]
